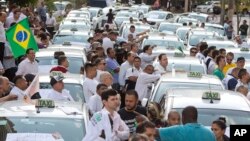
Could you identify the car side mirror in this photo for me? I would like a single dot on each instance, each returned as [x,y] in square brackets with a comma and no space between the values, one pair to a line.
[144,102]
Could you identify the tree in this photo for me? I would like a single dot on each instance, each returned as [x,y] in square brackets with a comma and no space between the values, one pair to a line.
[231,9]
[23,3]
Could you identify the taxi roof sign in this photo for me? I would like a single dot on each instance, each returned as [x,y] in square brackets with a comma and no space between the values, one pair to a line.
[244,49]
[211,95]
[179,54]
[195,74]
[47,103]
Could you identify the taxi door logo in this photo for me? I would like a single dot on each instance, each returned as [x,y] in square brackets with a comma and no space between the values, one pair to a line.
[21,36]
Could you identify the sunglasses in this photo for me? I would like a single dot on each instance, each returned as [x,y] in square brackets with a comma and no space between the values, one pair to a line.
[193,52]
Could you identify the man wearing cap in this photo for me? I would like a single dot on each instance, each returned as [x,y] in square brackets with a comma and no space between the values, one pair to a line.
[58,92]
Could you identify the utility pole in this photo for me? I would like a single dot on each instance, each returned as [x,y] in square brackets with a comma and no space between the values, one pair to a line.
[222,14]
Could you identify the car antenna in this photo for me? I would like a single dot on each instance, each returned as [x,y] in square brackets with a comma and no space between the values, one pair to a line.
[209,86]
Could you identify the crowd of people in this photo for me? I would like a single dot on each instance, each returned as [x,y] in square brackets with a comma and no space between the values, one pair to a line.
[117,77]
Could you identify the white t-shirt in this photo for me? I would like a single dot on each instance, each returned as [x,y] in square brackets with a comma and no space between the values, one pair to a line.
[89,88]
[63,96]
[107,43]
[18,92]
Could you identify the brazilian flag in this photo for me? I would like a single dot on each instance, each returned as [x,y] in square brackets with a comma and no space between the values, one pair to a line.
[21,38]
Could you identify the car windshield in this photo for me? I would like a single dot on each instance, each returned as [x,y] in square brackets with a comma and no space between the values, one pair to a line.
[218,30]
[75,63]
[60,39]
[164,43]
[60,6]
[127,14]
[155,15]
[119,20]
[75,90]
[93,12]
[186,67]
[164,86]
[187,20]
[86,15]
[138,29]
[81,27]
[246,55]
[196,38]
[29,128]
[199,18]
[168,27]
[207,116]
[219,46]
[182,34]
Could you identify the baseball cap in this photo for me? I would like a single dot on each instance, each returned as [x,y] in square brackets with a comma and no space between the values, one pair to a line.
[56,76]
[240,59]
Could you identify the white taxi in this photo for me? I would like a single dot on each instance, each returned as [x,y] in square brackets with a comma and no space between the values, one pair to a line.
[43,120]
[211,105]
[177,80]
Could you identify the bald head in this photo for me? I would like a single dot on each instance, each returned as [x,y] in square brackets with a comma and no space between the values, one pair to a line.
[189,115]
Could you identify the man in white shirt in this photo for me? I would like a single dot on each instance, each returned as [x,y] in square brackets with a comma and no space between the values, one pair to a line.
[132,31]
[133,73]
[201,47]
[2,34]
[50,24]
[58,92]
[209,58]
[28,65]
[95,101]
[124,67]
[89,84]
[161,67]
[108,40]
[107,123]
[146,56]
[144,80]
[19,88]
[13,19]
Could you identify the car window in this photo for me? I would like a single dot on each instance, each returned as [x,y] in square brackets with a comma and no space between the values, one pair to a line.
[207,116]
[75,90]
[195,39]
[60,39]
[75,63]
[164,86]
[35,126]
[164,43]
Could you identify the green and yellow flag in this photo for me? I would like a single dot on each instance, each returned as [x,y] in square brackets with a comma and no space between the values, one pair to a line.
[21,38]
